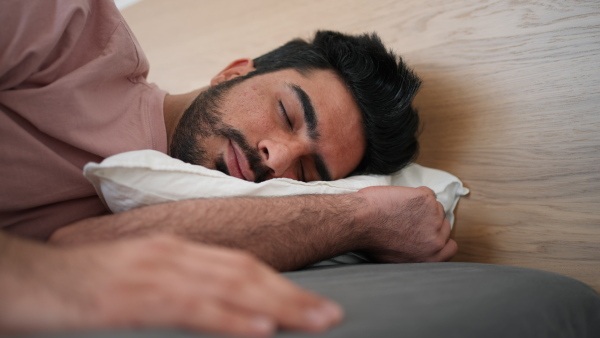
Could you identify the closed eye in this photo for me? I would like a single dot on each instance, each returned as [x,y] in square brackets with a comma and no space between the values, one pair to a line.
[285,115]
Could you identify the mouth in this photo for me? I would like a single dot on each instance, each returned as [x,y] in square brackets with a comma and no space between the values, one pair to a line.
[238,164]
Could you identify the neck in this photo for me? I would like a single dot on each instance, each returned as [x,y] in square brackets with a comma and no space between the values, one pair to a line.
[173,109]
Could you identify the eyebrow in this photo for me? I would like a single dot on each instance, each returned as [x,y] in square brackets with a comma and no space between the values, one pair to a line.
[310,119]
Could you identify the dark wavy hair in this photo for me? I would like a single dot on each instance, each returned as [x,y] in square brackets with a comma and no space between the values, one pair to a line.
[379,81]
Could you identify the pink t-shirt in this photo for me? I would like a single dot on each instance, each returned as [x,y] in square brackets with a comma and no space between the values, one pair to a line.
[72,90]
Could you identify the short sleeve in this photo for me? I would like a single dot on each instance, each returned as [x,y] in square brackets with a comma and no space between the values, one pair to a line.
[34,34]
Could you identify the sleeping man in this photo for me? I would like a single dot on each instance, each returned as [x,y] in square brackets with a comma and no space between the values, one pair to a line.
[73,90]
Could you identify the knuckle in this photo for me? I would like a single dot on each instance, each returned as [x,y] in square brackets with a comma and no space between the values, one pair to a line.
[439,244]
[425,198]
[162,243]
[305,300]
[154,253]
[245,264]
[292,310]
[233,286]
[426,191]
[244,273]
[436,244]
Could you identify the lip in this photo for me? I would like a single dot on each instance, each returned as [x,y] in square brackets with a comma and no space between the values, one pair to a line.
[237,163]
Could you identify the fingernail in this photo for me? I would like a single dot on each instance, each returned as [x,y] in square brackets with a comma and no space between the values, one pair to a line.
[263,325]
[316,319]
[324,316]
[332,311]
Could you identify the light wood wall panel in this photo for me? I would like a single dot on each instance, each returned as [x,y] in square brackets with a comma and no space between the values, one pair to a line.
[510,102]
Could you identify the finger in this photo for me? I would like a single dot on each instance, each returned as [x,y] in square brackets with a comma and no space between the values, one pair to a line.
[246,283]
[442,238]
[214,316]
[311,312]
[190,281]
[272,295]
[449,251]
[445,230]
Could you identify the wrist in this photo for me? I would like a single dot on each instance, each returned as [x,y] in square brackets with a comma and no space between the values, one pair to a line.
[358,229]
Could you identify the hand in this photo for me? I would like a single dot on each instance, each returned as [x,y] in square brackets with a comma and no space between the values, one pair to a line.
[406,225]
[156,282]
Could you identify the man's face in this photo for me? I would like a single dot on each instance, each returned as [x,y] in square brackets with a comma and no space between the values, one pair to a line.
[279,124]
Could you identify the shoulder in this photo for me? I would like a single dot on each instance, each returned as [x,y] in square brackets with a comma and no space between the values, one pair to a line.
[39,34]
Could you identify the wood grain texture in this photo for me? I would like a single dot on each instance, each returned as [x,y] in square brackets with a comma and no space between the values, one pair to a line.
[510,102]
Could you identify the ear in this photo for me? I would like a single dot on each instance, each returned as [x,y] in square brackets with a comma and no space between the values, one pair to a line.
[237,68]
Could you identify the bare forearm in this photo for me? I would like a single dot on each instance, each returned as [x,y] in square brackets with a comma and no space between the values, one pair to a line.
[288,232]
[390,224]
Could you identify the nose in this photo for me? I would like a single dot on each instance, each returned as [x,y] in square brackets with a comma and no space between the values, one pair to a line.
[282,157]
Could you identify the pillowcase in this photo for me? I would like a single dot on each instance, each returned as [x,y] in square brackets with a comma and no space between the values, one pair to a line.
[145,177]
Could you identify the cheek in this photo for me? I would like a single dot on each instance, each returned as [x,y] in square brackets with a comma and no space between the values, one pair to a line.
[257,127]
[253,116]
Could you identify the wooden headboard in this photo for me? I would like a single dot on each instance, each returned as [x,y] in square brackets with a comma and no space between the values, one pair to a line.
[510,102]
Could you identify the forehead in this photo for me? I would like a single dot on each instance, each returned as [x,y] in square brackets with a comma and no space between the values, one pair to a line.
[339,122]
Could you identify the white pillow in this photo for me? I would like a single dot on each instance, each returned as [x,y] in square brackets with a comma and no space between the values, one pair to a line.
[145,177]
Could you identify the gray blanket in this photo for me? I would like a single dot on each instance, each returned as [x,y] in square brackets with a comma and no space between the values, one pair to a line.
[441,300]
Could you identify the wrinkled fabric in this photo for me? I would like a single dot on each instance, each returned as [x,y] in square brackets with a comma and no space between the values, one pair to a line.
[72,90]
